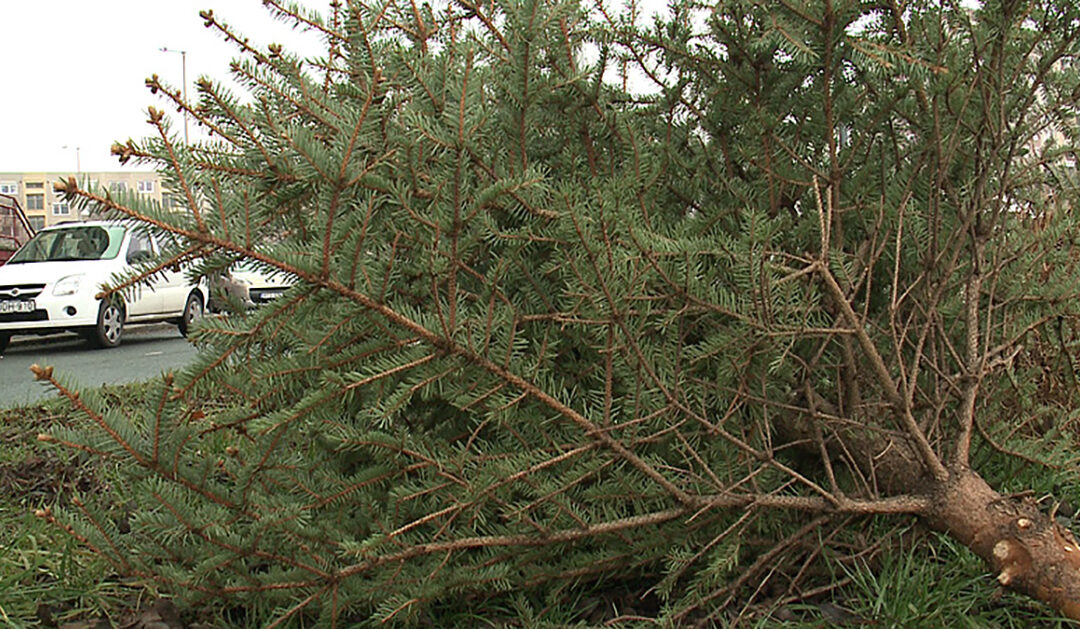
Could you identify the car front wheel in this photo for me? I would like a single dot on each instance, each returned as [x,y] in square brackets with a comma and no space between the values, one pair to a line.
[193,311]
[4,340]
[110,325]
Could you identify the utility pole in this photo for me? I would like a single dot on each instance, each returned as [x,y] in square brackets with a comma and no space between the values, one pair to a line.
[78,159]
[183,70]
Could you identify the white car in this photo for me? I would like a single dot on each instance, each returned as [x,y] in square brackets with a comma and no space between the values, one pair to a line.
[50,285]
[247,285]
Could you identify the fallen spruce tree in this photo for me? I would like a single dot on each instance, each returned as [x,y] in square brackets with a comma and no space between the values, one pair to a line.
[587,302]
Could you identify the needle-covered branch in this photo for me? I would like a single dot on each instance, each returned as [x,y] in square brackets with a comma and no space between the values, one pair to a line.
[545,333]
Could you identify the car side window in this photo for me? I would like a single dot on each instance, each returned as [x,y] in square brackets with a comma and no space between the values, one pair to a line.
[140,249]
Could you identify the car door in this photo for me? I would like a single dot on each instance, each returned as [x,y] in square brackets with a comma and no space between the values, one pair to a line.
[147,300]
[174,288]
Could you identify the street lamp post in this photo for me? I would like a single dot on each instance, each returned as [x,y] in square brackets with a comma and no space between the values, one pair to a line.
[78,167]
[78,159]
[183,69]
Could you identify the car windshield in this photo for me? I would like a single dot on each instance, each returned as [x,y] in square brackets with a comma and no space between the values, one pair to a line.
[85,242]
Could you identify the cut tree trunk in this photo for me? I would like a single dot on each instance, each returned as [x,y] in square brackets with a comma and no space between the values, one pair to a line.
[1028,550]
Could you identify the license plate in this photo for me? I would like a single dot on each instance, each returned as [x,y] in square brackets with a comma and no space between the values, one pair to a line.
[10,307]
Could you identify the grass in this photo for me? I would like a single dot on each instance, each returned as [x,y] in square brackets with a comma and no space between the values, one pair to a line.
[938,583]
[921,579]
[40,565]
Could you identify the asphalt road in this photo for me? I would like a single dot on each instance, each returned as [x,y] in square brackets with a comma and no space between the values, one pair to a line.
[146,351]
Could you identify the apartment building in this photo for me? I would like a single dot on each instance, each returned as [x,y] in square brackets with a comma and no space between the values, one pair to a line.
[45,207]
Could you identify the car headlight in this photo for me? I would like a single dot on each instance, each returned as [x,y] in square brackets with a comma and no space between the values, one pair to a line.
[68,285]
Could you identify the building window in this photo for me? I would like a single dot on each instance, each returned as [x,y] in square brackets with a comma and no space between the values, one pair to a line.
[61,209]
[146,186]
[9,187]
[37,222]
[168,201]
[116,187]
[35,201]
[35,185]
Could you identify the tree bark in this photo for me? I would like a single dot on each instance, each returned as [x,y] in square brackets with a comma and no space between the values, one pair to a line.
[1028,550]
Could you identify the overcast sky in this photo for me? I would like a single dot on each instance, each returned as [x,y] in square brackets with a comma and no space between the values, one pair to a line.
[73,71]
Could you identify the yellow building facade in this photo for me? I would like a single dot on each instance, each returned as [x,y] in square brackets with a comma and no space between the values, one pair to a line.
[45,207]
